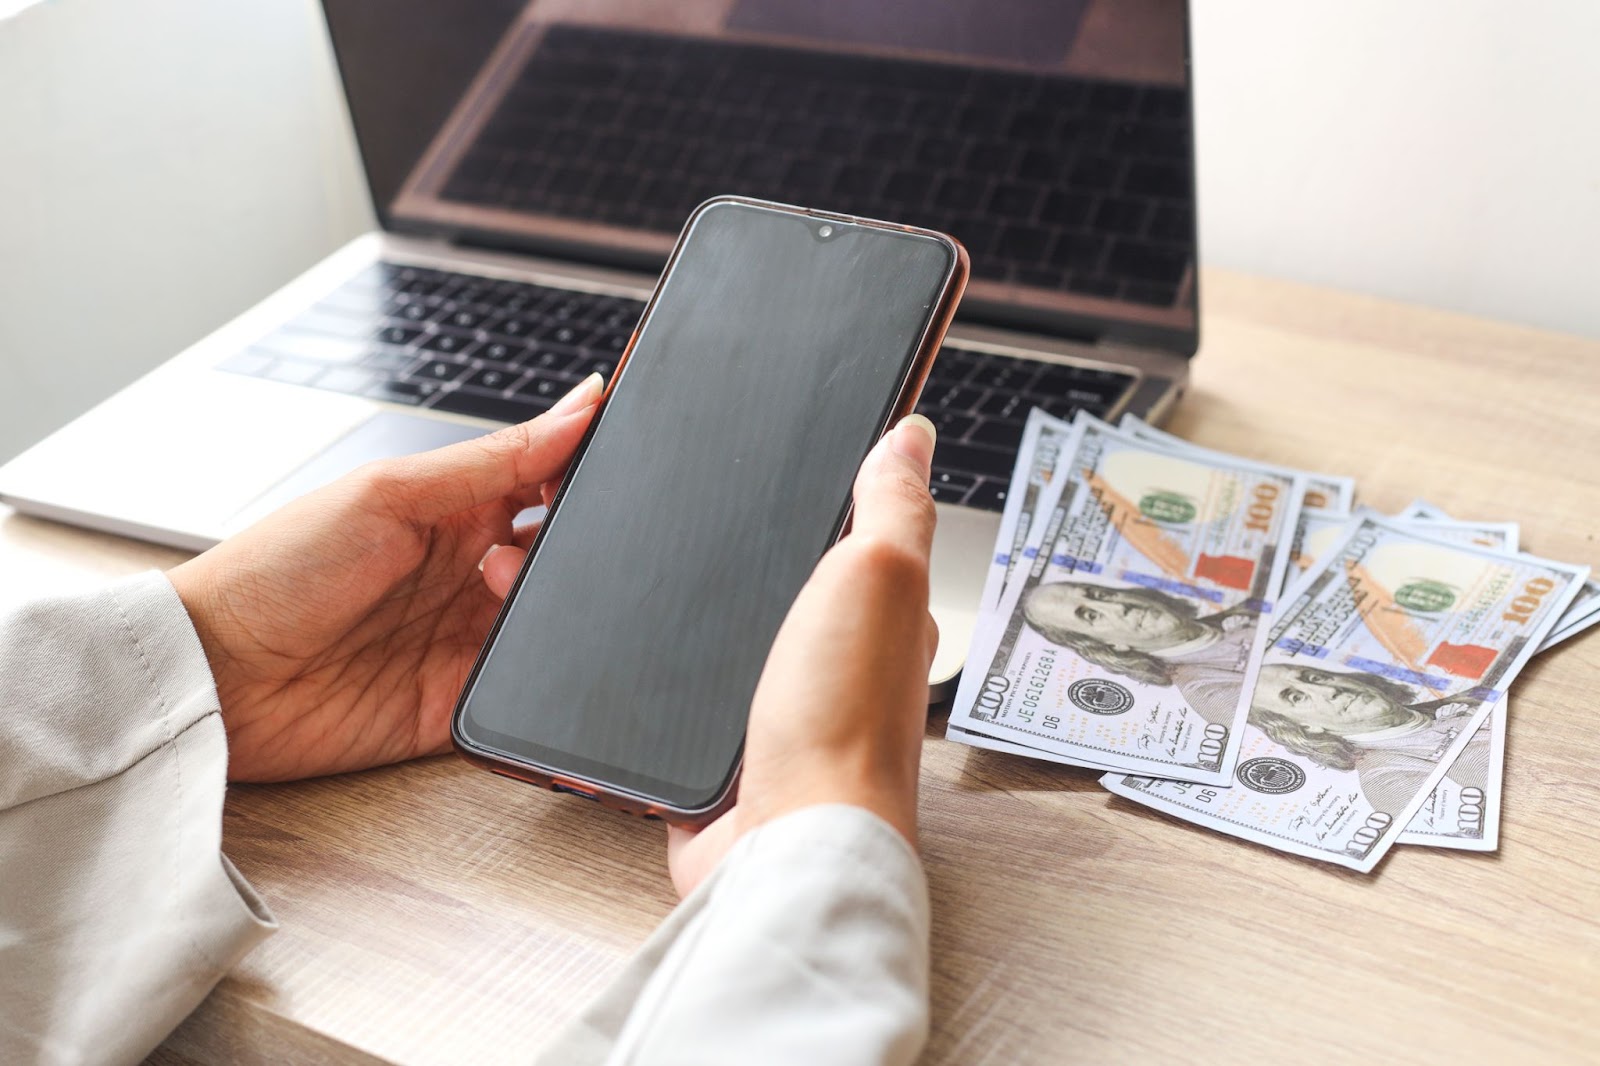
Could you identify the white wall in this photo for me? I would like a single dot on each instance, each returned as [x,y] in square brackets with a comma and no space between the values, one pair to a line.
[165,162]
[1445,152]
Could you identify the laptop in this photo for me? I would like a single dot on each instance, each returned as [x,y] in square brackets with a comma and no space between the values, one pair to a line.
[532,162]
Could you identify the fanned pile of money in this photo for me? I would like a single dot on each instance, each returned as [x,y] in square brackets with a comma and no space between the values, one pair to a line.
[1241,647]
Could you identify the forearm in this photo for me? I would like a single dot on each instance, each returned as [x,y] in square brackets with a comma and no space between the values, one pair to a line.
[808,944]
[119,910]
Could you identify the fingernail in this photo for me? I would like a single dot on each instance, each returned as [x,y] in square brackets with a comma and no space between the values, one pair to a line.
[914,438]
[492,549]
[583,394]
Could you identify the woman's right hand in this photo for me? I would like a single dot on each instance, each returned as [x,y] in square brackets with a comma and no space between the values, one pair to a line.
[839,713]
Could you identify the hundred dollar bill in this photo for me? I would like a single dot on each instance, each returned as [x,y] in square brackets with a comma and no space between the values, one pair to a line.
[1325,508]
[1323,532]
[1584,612]
[1573,628]
[1042,439]
[1463,810]
[1505,536]
[1420,508]
[1324,492]
[1130,639]
[1316,532]
[1013,546]
[1389,664]
[979,740]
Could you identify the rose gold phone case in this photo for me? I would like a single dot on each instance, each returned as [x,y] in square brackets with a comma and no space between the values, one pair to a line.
[916,376]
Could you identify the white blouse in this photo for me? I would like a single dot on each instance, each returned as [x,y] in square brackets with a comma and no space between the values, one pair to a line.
[119,912]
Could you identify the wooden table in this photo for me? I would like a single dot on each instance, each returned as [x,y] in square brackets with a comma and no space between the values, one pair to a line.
[435,914]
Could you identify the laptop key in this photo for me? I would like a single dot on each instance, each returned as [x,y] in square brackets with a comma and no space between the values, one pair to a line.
[1090,396]
[406,392]
[497,408]
[448,343]
[974,459]
[419,287]
[588,364]
[956,362]
[989,268]
[545,390]
[1056,379]
[501,352]
[1024,243]
[398,335]
[948,423]
[952,479]
[388,361]
[562,332]
[552,357]
[1004,406]
[988,496]
[1002,373]
[998,434]
[949,487]
[516,327]
[461,318]
[959,398]
[440,371]
[491,378]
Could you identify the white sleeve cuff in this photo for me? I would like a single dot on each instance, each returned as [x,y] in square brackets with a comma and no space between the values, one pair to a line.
[809,943]
[120,911]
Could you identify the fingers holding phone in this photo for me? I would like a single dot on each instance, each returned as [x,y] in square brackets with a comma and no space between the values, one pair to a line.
[839,713]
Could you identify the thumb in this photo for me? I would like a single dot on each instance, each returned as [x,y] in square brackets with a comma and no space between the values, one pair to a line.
[892,502]
[692,854]
[511,463]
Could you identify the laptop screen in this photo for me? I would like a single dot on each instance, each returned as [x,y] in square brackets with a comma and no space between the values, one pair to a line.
[1052,137]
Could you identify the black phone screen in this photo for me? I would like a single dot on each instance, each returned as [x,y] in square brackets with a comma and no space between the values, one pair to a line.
[717,474]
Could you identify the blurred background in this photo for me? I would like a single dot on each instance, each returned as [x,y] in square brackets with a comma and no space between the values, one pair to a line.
[169,162]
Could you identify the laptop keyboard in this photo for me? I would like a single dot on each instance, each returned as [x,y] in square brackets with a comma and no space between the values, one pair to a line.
[1050,181]
[507,351]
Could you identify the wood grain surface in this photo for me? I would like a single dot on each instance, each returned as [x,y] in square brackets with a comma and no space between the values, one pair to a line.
[435,914]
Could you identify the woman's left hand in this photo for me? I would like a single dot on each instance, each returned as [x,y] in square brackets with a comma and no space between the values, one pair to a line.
[341,628]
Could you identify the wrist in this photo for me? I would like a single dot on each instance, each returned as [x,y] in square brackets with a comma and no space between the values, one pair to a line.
[205,608]
[895,805]
[190,585]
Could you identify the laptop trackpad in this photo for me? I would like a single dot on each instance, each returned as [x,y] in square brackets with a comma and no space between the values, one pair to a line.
[382,436]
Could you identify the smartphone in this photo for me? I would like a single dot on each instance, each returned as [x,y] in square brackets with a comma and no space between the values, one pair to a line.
[779,345]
